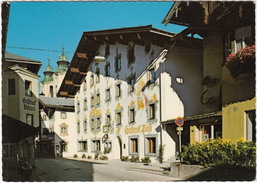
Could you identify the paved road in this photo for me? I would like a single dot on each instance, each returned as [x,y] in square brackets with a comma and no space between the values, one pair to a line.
[69,170]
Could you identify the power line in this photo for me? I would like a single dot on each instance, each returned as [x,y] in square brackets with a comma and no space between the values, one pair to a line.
[39,49]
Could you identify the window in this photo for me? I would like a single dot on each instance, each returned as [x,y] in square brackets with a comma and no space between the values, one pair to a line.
[85,125]
[11,86]
[28,88]
[78,126]
[96,145]
[97,98]
[133,145]
[118,63]
[151,76]
[132,115]
[151,145]
[85,85]
[98,123]
[131,54]
[92,80]
[131,84]
[97,75]
[64,147]
[151,111]
[82,146]
[92,124]
[92,101]
[78,106]
[45,131]
[63,115]
[107,94]
[51,91]
[9,150]
[108,119]
[212,131]
[64,130]
[251,125]
[118,115]
[107,69]
[243,37]
[29,119]
[44,117]
[85,104]
[118,90]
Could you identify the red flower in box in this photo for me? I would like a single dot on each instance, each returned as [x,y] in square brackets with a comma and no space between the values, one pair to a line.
[241,62]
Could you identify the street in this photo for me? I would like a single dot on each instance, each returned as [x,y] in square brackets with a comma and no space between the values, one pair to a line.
[70,170]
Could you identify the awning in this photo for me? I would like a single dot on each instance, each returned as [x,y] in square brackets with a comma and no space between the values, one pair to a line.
[196,117]
[15,131]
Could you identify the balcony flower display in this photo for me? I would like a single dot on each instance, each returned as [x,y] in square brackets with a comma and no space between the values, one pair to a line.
[241,62]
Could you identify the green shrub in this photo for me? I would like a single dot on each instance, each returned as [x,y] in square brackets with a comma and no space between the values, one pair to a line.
[89,157]
[220,152]
[124,158]
[96,156]
[146,160]
[102,157]
[83,156]
[134,159]
[107,150]
[75,156]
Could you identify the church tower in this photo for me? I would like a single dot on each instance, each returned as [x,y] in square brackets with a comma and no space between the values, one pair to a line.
[46,85]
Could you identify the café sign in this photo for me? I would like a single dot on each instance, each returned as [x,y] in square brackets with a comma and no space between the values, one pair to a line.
[29,105]
[139,129]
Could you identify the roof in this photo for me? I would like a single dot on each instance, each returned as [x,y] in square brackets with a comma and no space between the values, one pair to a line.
[57,102]
[33,65]
[90,42]
[196,117]
[14,130]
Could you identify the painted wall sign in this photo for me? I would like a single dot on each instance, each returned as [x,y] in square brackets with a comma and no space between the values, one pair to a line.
[138,129]
[29,104]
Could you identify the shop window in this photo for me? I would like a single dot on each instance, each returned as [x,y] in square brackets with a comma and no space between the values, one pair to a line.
[28,88]
[83,146]
[107,69]
[251,125]
[118,90]
[29,119]
[151,111]
[107,94]
[134,145]
[9,150]
[151,145]
[96,145]
[63,115]
[211,131]
[118,116]
[132,115]
[11,86]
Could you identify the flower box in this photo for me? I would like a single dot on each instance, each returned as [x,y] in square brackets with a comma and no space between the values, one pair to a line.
[242,62]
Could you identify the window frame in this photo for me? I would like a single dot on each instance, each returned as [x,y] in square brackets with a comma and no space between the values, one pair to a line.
[154,149]
[96,145]
[134,145]
[11,86]
[28,88]
[32,119]
[84,144]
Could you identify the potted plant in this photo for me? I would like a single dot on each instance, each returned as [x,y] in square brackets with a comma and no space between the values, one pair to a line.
[241,62]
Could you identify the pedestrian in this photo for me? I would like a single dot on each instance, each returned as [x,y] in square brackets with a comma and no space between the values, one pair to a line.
[24,169]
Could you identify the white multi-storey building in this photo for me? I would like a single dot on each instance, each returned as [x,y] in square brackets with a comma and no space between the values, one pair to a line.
[58,124]
[125,82]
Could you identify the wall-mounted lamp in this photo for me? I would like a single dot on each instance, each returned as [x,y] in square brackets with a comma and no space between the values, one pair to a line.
[180,80]
[99,59]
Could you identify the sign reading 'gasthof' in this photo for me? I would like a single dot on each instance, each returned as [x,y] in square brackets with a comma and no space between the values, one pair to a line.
[29,104]
[139,129]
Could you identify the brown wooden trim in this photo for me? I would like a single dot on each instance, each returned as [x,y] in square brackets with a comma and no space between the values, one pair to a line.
[67,82]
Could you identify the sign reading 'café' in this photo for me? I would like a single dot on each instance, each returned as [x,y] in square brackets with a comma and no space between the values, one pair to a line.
[29,104]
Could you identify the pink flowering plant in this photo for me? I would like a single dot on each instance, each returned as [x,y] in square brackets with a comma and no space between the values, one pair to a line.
[241,62]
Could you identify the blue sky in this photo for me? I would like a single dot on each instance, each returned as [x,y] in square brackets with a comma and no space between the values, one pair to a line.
[52,25]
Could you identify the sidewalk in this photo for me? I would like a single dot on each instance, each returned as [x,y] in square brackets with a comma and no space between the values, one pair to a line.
[154,168]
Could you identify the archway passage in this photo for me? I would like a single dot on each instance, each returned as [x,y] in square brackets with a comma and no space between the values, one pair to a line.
[120,147]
